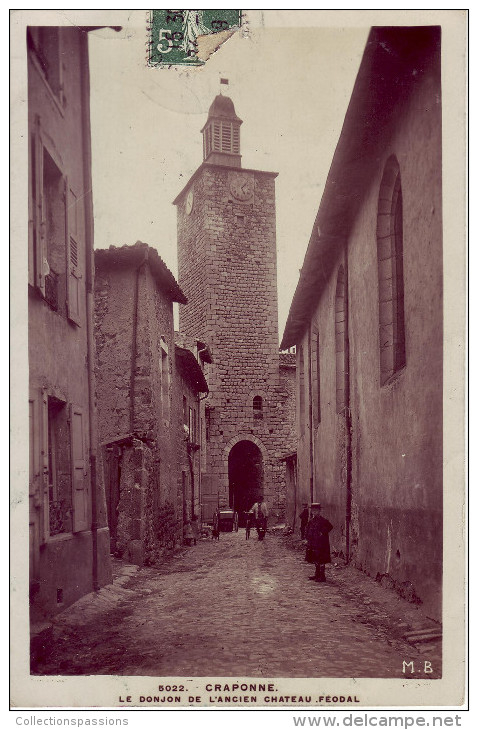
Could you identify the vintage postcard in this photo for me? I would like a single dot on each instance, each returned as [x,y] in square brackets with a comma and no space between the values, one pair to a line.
[238,267]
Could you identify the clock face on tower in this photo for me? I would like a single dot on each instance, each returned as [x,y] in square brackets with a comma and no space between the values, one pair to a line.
[241,187]
[189,202]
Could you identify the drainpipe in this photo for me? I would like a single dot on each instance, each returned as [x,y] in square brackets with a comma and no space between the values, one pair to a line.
[133,350]
[348,415]
[294,482]
[200,398]
[311,428]
[89,286]
[134,344]
[191,471]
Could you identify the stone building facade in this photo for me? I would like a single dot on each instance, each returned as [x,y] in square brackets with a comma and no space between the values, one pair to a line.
[69,539]
[140,392]
[367,319]
[190,390]
[227,268]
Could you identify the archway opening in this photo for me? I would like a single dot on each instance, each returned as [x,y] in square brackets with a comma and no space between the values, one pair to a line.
[246,477]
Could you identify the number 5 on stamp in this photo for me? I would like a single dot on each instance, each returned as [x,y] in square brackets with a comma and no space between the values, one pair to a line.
[174,33]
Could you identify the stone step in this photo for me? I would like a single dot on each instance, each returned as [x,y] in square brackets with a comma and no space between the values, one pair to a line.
[422,636]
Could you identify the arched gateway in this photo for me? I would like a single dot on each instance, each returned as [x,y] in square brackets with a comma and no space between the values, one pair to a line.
[246,476]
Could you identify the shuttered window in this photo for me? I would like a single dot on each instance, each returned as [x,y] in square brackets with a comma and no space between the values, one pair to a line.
[221,136]
[38,256]
[78,470]
[226,142]
[235,139]
[216,136]
[55,252]
[59,479]
[73,280]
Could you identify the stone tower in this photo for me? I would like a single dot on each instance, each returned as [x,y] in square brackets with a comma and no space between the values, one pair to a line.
[227,269]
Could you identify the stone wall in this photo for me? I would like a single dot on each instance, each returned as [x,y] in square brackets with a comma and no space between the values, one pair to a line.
[114,317]
[227,269]
[136,399]
[396,428]
[148,526]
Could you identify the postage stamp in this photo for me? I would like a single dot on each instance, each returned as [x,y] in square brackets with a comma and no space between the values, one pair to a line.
[174,33]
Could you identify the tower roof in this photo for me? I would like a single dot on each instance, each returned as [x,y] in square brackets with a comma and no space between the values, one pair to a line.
[223,107]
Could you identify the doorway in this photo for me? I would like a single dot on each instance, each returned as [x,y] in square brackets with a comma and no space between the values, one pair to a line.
[246,477]
[112,470]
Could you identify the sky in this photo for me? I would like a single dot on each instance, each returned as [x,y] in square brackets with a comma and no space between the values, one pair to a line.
[290,85]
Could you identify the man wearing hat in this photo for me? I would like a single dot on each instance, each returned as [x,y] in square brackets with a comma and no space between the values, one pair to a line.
[318,546]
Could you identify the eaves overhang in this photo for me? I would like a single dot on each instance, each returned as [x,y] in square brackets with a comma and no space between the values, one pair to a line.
[394,61]
[190,369]
[137,255]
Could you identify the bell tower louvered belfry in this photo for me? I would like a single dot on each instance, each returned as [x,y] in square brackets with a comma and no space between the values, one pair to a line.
[227,269]
[221,134]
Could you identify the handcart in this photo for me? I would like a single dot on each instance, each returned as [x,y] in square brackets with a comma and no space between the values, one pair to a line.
[226,520]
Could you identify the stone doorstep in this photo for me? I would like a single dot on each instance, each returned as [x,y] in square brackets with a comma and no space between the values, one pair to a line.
[427,635]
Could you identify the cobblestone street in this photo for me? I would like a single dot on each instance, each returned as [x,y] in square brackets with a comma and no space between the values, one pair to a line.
[240,608]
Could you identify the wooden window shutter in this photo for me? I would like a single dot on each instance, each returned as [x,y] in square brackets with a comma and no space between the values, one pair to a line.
[78,470]
[72,259]
[44,474]
[31,209]
[35,485]
[40,252]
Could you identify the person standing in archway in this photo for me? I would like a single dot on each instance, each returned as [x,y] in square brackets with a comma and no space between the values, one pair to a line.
[304,519]
[318,545]
[261,513]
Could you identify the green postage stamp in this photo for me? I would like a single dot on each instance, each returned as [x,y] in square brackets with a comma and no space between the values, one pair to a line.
[174,33]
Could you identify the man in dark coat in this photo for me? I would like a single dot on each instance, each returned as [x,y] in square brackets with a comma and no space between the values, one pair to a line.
[318,546]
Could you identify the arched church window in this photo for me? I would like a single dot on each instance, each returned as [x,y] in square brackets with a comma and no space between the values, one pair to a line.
[257,407]
[390,272]
[340,341]
[301,391]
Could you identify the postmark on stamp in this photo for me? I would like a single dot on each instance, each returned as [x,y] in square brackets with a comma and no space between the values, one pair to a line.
[173,34]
